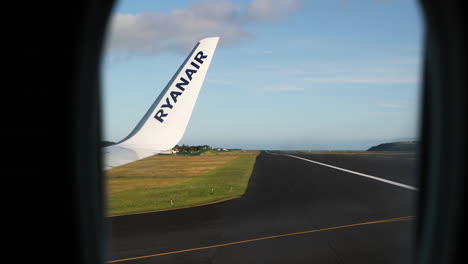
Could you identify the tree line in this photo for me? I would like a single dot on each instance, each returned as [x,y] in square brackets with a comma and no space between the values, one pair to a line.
[187,148]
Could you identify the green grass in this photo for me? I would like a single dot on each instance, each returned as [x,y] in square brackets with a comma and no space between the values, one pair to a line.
[215,152]
[206,152]
[168,182]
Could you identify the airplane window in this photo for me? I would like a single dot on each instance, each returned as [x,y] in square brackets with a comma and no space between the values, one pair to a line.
[262,131]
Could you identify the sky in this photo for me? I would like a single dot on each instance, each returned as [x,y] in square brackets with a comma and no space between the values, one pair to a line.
[291,74]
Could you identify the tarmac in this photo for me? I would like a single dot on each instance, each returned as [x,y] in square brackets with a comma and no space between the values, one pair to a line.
[296,210]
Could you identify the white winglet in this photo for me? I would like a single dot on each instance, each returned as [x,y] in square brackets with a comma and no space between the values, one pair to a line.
[164,124]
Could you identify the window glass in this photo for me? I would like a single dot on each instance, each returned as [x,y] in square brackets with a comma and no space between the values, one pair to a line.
[301,146]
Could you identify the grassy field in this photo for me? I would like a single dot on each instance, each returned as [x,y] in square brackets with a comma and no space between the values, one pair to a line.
[172,181]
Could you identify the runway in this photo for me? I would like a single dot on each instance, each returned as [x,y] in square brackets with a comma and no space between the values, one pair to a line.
[294,211]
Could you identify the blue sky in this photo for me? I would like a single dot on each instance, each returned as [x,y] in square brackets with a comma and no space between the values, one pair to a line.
[287,74]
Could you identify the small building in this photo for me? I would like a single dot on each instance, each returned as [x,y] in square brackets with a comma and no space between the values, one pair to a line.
[169,152]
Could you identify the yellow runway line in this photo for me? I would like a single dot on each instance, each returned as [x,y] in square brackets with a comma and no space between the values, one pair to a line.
[399,219]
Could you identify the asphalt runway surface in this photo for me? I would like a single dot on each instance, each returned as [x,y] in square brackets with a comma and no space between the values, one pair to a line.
[294,211]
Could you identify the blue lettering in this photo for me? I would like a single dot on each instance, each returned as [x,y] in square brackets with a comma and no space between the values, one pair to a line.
[195,65]
[159,115]
[168,104]
[179,85]
[199,57]
[189,73]
[174,95]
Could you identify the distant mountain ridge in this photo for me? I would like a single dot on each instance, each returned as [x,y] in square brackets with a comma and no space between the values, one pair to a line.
[396,146]
[107,143]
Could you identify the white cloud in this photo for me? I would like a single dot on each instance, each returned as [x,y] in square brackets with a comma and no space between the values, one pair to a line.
[150,32]
[272,10]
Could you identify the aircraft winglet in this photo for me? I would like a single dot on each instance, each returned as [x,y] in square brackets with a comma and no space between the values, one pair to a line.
[164,124]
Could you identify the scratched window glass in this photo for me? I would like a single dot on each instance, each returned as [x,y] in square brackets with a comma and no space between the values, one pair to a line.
[261,131]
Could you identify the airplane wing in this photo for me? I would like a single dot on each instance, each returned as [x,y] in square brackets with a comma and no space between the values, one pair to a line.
[164,124]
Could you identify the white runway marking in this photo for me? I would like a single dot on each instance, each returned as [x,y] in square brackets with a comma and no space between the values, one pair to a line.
[353,172]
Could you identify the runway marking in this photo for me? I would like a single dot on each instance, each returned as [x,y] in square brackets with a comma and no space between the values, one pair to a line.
[399,219]
[353,172]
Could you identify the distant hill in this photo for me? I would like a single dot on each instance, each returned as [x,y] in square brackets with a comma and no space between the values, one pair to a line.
[396,146]
[107,143]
